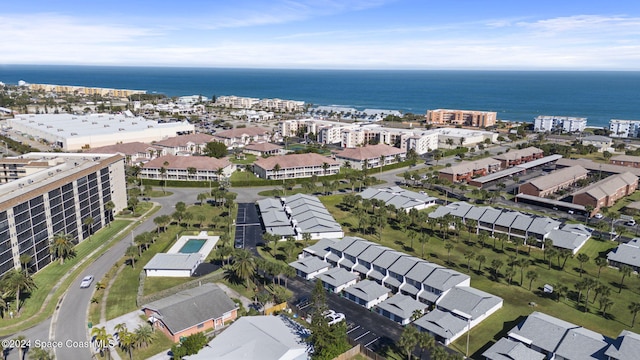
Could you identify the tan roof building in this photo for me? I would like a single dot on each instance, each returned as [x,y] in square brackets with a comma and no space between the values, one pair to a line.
[134,152]
[591,165]
[606,192]
[177,168]
[626,160]
[466,170]
[186,140]
[263,148]
[371,155]
[243,136]
[546,185]
[517,157]
[295,166]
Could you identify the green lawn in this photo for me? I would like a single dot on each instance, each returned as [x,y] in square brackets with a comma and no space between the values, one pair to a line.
[160,344]
[243,176]
[516,297]
[155,284]
[48,279]
[248,159]
[122,295]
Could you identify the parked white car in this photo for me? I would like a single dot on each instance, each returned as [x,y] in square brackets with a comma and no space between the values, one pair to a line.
[335,318]
[598,216]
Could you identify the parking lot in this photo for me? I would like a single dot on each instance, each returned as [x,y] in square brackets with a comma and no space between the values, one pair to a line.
[248,228]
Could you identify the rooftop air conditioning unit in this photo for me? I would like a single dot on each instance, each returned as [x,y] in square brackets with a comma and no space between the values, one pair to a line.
[72,134]
[83,120]
[120,129]
[94,123]
[106,125]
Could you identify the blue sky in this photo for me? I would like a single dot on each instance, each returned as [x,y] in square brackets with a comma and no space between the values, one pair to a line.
[326,34]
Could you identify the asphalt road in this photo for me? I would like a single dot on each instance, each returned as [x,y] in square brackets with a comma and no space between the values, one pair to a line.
[70,325]
[248,228]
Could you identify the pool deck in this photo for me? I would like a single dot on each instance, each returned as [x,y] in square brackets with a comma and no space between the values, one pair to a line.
[204,251]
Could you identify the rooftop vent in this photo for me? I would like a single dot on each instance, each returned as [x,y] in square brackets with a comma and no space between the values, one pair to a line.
[72,134]
[106,125]
[94,123]
[120,129]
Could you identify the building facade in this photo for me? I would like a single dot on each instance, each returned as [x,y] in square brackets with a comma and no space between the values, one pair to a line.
[295,166]
[569,124]
[57,199]
[187,168]
[471,118]
[624,128]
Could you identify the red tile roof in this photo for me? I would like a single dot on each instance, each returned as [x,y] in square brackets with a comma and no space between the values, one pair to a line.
[183,162]
[238,132]
[184,140]
[131,148]
[263,146]
[294,160]
[369,152]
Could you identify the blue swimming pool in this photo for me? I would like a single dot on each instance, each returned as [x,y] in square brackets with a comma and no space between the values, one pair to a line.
[192,246]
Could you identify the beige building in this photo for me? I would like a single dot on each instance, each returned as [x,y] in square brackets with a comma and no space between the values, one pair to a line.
[263,149]
[68,189]
[371,156]
[83,90]
[240,137]
[295,166]
[470,118]
[606,192]
[185,144]
[135,153]
[187,168]
[602,143]
[546,185]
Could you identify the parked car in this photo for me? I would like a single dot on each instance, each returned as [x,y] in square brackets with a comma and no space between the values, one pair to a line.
[335,318]
[598,216]
[86,281]
[630,223]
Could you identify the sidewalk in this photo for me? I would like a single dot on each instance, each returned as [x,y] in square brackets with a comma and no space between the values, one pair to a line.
[132,320]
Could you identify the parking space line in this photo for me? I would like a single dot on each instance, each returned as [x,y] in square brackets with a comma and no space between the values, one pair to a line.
[361,336]
[372,341]
[355,328]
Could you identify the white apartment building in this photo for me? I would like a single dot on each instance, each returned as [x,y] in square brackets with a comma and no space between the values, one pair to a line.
[281,105]
[236,102]
[544,123]
[624,128]
[423,143]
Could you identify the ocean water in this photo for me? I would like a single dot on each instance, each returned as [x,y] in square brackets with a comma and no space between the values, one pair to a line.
[514,95]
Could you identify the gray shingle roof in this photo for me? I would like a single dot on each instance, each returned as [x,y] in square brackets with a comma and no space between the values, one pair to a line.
[422,270]
[580,343]
[490,215]
[367,290]
[192,307]
[476,213]
[543,225]
[337,276]
[468,300]
[309,264]
[441,323]
[625,347]
[388,258]
[321,248]
[628,253]
[358,247]
[544,331]
[506,349]
[404,264]
[522,222]
[506,218]
[402,306]
[257,338]
[398,197]
[444,279]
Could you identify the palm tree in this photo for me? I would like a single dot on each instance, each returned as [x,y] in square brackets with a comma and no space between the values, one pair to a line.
[306,237]
[531,241]
[21,340]
[102,340]
[423,239]
[408,340]
[144,335]
[127,340]
[163,174]
[482,238]
[517,242]
[244,266]
[19,281]
[532,276]
[202,197]
[88,222]
[469,255]
[276,169]
[600,263]
[580,286]
[605,304]
[582,258]
[509,273]
[551,252]
[425,341]
[37,353]
[495,266]
[448,245]
[108,207]
[625,270]
[25,259]
[481,259]
[634,307]
[62,246]
[131,252]
[590,284]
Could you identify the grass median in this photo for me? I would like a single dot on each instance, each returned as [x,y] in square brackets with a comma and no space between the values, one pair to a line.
[48,279]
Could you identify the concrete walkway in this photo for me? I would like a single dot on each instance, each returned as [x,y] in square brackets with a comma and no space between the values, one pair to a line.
[132,320]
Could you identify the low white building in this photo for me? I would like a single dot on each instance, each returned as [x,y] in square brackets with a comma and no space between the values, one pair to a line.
[76,132]
[367,293]
[624,128]
[173,265]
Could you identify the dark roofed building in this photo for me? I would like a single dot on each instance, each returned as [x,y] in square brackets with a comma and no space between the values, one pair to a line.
[191,311]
